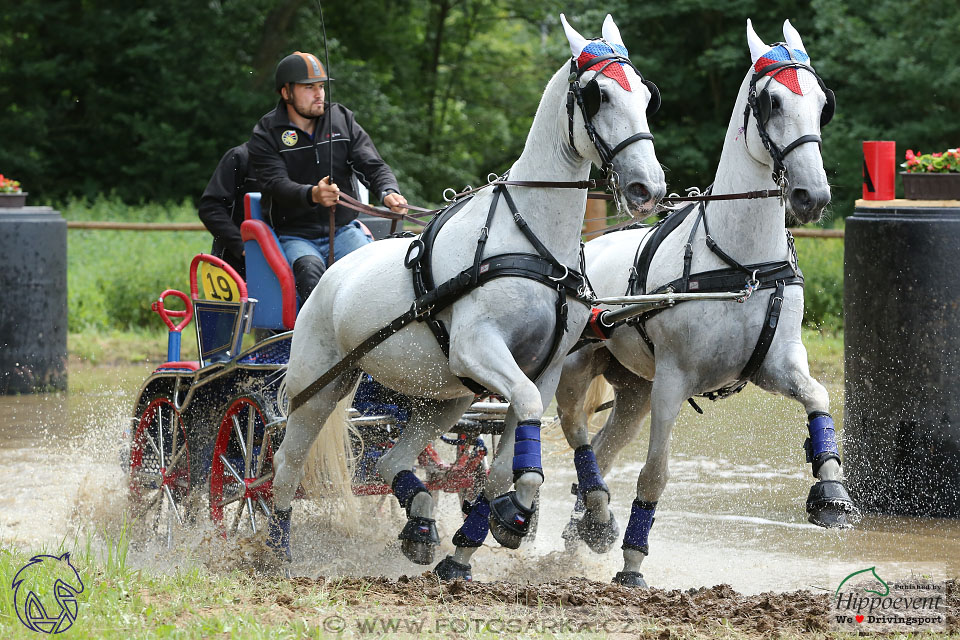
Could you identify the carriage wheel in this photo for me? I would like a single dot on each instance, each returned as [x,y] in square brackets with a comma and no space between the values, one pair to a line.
[159,469]
[241,476]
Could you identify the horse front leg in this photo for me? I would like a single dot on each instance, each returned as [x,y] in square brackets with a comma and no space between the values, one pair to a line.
[431,418]
[484,356]
[785,371]
[631,404]
[592,521]
[470,536]
[670,389]
[487,360]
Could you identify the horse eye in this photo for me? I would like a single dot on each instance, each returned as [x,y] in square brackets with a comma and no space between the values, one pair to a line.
[774,103]
[603,96]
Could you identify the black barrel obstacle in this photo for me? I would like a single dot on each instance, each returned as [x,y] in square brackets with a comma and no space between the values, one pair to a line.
[902,357]
[33,300]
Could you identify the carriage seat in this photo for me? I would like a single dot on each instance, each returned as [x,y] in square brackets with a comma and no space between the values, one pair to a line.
[269,276]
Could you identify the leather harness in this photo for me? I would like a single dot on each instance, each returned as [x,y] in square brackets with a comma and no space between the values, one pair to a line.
[765,275]
[541,267]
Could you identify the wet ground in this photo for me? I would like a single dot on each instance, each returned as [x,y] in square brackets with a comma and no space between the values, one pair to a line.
[732,513]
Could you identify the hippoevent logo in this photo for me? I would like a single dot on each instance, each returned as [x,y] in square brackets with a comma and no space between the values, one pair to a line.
[45,593]
[865,601]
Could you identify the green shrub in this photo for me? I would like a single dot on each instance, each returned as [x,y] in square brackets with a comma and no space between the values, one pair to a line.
[821,261]
[114,276]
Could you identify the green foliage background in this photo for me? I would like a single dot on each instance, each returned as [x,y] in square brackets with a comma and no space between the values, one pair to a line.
[114,276]
[141,99]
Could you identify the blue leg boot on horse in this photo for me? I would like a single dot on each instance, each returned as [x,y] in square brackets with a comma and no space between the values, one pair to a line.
[600,534]
[828,503]
[418,539]
[509,518]
[469,536]
[635,545]
[278,534]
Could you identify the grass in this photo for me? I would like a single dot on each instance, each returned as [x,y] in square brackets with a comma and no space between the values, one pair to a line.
[113,276]
[118,601]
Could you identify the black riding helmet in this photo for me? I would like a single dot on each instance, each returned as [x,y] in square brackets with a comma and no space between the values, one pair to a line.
[300,68]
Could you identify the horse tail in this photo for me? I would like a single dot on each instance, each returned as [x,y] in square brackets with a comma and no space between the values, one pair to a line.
[329,467]
[598,394]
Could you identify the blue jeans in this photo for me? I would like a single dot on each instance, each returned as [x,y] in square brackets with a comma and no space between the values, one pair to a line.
[348,238]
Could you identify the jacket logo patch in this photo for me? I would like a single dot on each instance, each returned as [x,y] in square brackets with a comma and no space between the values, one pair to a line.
[289,137]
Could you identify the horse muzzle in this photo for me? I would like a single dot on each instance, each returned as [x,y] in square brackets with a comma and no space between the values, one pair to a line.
[807,205]
[642,197]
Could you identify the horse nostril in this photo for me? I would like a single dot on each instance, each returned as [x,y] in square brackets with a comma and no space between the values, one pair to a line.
[801,200]
[638,191]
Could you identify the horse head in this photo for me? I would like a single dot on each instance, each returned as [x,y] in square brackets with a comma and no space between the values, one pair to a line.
[608,104]
[788,105]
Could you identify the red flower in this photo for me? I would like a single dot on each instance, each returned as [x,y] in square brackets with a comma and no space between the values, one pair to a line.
[937,155]
[910,154]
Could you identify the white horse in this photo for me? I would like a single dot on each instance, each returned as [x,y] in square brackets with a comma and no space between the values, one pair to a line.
[502,334]
[704,346]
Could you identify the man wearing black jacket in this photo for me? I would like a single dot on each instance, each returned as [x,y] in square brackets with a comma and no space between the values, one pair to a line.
[290,154]
[221,205]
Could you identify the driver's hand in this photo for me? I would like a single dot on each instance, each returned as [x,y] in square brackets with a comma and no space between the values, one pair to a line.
[326,193]
[394,202]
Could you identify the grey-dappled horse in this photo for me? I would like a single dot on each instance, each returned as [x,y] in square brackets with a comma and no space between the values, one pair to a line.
[510,334]
[704,347]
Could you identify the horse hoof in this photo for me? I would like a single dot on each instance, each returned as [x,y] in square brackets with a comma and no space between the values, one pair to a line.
[630,579]
[419,539]
[599,536]
[509,520]
[829,505]
[450,569]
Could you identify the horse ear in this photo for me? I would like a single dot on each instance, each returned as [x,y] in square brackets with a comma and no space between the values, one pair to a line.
[792,37]
[757,46]
[610,32]
[577,41]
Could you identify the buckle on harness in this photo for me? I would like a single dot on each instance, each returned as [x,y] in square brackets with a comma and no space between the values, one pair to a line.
[418,313]
[566,272]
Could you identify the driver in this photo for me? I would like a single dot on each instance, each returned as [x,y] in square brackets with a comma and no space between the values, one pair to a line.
[290,154]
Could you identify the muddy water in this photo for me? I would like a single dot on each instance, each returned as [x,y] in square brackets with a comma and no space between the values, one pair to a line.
[733,511]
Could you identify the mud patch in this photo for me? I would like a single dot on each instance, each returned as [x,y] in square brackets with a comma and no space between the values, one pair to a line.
[574,604]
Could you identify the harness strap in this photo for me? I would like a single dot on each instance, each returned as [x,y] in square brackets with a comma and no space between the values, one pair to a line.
[766,334]
[351,359]
[764,340]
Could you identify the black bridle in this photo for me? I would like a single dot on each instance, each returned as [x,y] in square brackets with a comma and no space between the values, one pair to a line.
[761,104]
[589,97]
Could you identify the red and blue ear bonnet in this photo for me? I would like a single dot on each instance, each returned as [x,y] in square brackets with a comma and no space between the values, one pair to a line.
[598,48]
[787,77]
[798,80]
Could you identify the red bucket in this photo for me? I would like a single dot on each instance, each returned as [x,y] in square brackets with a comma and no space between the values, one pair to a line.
[879,170]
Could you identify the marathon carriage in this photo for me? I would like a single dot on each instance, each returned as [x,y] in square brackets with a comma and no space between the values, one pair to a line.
[203,433]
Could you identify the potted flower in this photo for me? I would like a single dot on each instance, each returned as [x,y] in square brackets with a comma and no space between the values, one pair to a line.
[931,176]
[11,195]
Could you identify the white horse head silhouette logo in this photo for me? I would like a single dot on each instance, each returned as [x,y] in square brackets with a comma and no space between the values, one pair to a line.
[48,575]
